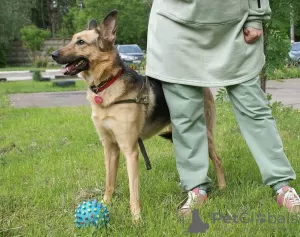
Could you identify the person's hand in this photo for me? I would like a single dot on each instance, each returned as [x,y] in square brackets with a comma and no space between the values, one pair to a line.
[251,34]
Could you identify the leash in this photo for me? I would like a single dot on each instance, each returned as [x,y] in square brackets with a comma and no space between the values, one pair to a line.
[144,153]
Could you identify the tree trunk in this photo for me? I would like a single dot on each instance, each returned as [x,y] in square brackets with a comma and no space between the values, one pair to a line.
[42,12]
[263,75]
[52,17]
[292,32]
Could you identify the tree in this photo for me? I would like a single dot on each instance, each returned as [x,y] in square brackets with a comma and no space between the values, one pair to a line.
[276,36]
[33,39]
[48,14]
[13,15]
[132,20]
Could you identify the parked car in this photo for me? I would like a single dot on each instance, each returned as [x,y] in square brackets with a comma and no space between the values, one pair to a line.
[130,53]
[295,52]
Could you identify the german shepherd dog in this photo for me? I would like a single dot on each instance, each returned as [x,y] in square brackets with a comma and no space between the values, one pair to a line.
[125,106]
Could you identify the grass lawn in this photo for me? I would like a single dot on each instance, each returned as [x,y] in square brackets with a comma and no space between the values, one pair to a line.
[30,86]
[27,68]
[51,159]
[286,73]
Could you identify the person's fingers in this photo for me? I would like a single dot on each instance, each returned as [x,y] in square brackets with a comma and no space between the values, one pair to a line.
[251,39]
[251,35]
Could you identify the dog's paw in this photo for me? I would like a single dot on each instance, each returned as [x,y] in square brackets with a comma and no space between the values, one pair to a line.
[106,199]
[137,219]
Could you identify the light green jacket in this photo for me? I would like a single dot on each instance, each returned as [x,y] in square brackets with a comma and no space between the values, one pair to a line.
[201,42]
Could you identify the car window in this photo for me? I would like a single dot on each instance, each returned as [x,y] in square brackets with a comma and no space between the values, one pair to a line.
[129,49]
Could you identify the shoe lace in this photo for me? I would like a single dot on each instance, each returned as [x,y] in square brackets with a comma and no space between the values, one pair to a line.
[293,197]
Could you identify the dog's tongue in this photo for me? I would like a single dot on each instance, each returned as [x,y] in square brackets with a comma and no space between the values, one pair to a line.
[68,68]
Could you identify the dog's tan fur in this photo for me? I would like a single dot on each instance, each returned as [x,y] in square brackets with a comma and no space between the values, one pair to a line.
[120,125]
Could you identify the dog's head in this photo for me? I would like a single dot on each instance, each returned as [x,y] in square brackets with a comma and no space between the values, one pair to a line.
[90,48]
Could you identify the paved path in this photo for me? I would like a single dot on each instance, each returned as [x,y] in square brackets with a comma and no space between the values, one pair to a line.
[287,92]
[48,99]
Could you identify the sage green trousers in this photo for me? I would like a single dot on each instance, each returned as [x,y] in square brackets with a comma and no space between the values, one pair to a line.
[256,123]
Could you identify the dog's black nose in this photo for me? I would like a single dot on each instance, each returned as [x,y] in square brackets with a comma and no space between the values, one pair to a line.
[55,54]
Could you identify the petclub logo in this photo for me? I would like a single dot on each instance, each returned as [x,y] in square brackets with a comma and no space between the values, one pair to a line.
[197,226]
[269,219]
[256,218]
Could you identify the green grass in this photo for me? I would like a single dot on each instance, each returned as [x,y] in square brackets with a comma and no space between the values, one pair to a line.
[31,86]
[27,68]
[286,73]
[51,158]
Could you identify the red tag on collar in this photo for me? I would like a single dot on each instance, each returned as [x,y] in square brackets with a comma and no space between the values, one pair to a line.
[98,99]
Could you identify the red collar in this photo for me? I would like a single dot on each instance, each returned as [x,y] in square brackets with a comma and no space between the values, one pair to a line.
[103,86]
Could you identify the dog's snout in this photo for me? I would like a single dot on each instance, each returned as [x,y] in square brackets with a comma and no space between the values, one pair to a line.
[55,54]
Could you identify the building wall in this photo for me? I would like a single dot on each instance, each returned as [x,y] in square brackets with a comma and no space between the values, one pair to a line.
[19,56]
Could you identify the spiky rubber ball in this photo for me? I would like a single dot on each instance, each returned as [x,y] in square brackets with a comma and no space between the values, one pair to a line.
[91,213]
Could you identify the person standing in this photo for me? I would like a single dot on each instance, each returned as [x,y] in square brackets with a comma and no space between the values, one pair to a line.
[201,43]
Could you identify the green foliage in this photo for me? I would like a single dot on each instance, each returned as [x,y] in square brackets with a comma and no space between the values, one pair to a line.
[33,37]
[13,15]
[222,95]
[277,33]
[3,56]
[292,71]
[68,26]
[36,76]
[132,20]
[40,62]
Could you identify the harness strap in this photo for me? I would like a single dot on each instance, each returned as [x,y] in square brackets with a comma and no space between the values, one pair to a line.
[140,99]
[136,101]
[144,153]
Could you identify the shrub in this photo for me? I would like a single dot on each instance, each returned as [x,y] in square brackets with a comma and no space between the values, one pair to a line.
[3,57]
[40,62]
[33,39]
[37,76]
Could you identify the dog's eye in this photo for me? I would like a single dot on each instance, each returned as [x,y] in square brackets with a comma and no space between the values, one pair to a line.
[80,42]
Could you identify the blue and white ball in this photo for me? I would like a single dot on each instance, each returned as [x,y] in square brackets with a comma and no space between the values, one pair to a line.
[91,212]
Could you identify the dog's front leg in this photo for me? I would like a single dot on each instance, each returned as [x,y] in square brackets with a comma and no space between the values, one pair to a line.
[112,157]
[131,155]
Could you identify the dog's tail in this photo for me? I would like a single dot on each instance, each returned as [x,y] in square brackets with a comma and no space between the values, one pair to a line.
[167,134]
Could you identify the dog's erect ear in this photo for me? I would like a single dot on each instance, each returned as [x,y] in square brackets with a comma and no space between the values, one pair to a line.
[109,26]
[92,24]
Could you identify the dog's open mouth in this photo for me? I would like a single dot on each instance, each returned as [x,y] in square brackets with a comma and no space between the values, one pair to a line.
[75,67]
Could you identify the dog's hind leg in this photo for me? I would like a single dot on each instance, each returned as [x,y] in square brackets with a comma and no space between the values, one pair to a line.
[112,157]
[210,118]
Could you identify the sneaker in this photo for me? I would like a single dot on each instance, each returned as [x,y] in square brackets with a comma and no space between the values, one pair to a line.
[289,199]
[194,200]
